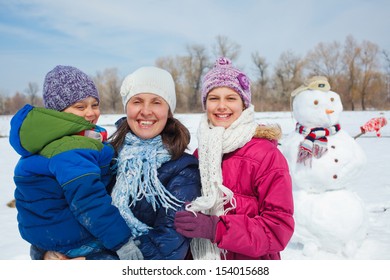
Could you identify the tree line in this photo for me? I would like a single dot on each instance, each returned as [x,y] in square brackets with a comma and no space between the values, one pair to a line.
[358,71]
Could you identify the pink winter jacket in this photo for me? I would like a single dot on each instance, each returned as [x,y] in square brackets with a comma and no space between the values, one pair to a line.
[262,223]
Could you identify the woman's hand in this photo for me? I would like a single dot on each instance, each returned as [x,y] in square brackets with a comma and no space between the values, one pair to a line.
[56,256]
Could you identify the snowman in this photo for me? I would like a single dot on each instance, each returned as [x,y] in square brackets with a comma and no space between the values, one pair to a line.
[324,160]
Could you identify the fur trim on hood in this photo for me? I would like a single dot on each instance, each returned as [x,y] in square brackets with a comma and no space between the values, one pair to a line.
[270,132]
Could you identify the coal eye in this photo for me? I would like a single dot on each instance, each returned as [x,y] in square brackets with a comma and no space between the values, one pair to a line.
[315,102]
[332,99]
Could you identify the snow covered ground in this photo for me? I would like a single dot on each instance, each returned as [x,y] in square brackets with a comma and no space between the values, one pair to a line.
[373,185]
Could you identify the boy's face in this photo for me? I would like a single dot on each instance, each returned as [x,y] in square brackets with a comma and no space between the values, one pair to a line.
[87,108]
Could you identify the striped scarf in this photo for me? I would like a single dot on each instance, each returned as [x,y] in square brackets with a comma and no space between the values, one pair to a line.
[136,179]
[98,133]
[315,142]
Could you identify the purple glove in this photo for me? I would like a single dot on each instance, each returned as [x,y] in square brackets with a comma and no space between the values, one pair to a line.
[200,226]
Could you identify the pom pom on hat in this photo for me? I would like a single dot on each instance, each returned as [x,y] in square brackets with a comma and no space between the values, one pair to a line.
[225,75]
[149,79]
[66,85]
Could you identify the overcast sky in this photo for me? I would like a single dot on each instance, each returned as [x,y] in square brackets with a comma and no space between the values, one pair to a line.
[37,35]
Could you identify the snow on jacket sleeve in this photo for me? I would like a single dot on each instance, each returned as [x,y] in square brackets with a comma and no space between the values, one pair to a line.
[163,242]
[263,224]
[79,174]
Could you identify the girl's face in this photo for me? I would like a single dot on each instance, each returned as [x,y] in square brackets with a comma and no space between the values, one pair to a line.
[87,108]
[223,106]
[147,115]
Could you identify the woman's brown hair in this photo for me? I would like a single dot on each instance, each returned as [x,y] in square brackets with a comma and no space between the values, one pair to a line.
[175,136]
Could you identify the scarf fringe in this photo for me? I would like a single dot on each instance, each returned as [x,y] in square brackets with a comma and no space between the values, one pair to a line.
[203,249]
[137,179]
[319,151]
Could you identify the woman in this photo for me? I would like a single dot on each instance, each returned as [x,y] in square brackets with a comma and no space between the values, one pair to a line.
[154,174]
[246,207]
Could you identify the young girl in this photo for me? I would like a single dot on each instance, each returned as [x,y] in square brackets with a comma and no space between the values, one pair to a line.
[154,176]
[246,207]
[61,177]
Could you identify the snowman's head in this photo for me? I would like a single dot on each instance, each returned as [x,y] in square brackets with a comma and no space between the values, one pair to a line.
[315,105]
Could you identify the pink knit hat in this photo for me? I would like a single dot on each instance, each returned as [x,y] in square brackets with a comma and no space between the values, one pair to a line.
[225,75]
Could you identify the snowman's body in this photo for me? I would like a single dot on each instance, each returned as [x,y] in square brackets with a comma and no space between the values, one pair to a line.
[328,213]
[323,221]
[336,169]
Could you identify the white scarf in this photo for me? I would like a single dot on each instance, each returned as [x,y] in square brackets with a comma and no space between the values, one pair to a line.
[213,143]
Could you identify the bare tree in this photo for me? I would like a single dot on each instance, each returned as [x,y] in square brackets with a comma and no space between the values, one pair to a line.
[326,60]
[288,76]
[386,56]
[2,105]
[351,57]
[350,77]
[194,66]
[226,47]
[369,69]
[112,95]
[259,91]
[31,92]
[108,85]
[174,65]
[15,102]
[187,72]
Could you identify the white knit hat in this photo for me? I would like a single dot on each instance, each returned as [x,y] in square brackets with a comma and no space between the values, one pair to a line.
[149,79]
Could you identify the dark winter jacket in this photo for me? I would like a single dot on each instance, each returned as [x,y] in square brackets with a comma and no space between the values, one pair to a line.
[61,180]
[262,222]
[181,178]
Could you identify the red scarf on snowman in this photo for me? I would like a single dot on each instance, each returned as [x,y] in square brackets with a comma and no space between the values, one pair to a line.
[315,143]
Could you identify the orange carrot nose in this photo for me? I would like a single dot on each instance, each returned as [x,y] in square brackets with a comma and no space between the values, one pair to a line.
[329,111]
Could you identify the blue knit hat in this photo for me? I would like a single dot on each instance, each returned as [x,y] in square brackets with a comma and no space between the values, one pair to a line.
[66,85]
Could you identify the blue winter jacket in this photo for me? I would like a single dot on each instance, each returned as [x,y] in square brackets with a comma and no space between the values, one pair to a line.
[61,180]
[182,179]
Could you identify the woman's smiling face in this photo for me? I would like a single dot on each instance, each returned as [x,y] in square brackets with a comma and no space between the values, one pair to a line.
[147,115]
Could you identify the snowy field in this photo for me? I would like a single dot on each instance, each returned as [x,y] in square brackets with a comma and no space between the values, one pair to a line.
[373,185]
